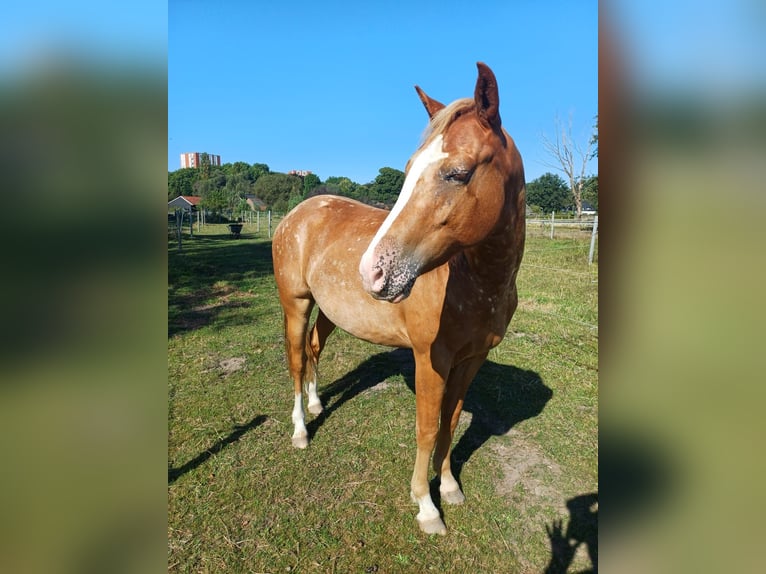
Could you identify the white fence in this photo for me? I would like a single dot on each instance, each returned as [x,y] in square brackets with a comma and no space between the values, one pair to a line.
[565,227]
[266,221]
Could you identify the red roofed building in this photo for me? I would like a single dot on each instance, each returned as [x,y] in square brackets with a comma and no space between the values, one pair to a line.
[189,202]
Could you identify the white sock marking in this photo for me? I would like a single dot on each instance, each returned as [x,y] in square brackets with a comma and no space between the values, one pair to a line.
[448,484]
[298,417]
[428,510]
[314,400]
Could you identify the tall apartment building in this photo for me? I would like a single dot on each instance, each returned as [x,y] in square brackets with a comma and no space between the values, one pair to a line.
[195,159]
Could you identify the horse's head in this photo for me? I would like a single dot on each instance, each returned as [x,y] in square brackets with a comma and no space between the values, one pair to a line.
[456,192]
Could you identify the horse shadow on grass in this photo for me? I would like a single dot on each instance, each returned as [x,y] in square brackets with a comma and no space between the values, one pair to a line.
[500,397]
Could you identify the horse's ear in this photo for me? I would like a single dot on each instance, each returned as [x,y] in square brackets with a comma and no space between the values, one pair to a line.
[486,96]
[432,106]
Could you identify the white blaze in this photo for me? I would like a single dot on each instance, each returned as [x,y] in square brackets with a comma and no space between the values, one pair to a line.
[426,157]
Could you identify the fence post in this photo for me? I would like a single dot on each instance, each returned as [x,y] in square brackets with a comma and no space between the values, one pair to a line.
[593,240]
[269,223]
[258,222]
[179,225]
[553,217]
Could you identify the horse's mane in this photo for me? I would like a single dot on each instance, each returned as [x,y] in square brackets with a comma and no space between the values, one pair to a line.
[444,117]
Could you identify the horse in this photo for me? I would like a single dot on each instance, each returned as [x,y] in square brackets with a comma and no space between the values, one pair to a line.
[436,274]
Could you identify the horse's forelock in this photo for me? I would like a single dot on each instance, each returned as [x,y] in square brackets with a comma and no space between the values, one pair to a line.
[444,117]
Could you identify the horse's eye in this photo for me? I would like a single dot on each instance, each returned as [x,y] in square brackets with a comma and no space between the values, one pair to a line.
[458,175]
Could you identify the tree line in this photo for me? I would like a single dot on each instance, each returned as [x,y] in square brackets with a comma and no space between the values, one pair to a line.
[224,188]
[550,192]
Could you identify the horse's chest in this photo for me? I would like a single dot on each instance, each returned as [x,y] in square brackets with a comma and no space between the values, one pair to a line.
[481,322]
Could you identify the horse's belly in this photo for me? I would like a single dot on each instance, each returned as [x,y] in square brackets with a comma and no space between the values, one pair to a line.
[347,305]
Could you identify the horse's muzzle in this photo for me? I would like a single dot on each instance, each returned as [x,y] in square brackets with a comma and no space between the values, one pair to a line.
[387,279]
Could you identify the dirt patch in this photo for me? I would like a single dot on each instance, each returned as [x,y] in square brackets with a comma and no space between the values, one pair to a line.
[381,386]
[194,314]
[530,305]
[232,365]
[223,293]
[524,464]
[529,478]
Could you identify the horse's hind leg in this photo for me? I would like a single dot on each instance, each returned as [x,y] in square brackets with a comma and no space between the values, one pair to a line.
[316,341]
[297,312]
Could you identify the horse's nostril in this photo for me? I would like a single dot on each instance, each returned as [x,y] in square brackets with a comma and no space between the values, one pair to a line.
[378,279]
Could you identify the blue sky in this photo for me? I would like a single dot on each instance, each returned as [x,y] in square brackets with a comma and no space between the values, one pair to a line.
[328,86]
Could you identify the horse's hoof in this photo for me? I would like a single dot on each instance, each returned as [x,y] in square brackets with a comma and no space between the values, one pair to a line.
[316,408]
[301,441]
[433,526]
[452,497]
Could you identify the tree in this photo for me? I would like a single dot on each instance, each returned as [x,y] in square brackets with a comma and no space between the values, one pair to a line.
[310,181]
[590,191]
[206,185]
[570,159]
[295,198]
[257,170]
[387,185]
[343,186]
[219,193]
[181,182]
[240,167]
[239,184]
[549,192]
[275,189]
[215,200]
[594,140]
[204,165]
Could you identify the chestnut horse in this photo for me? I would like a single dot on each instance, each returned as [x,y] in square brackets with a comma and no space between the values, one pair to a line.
[436,274]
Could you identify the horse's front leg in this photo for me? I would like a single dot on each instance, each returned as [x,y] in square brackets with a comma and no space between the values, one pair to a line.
[459,380]
[429,392]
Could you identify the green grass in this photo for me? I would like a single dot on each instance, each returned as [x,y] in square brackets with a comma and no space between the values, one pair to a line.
[241,499]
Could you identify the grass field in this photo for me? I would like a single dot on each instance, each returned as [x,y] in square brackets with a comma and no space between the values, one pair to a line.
[241,499]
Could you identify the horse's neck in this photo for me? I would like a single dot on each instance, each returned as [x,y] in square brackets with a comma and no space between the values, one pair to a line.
[493,263]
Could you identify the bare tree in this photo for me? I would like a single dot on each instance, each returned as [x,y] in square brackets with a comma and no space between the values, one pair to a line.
[570,159]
